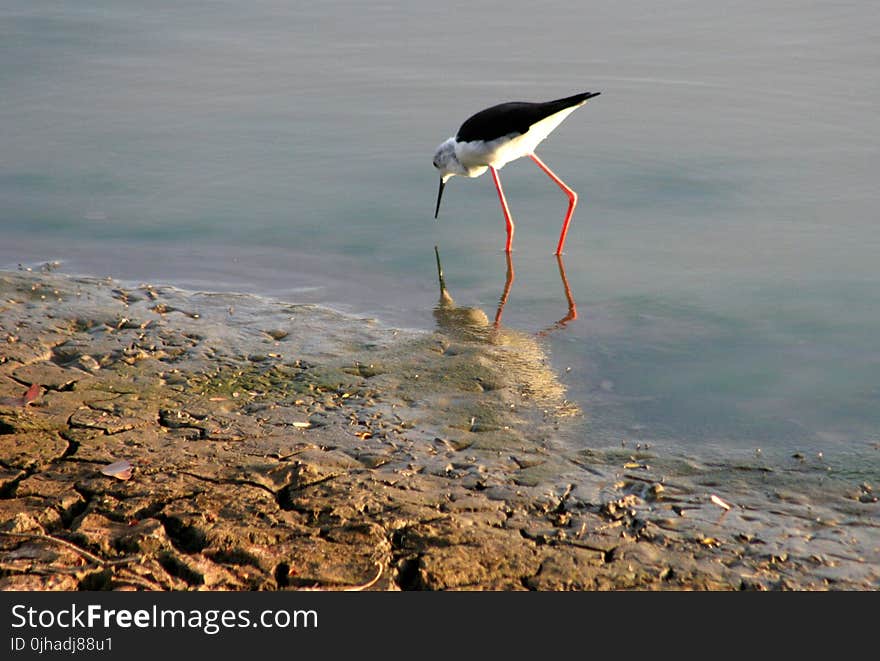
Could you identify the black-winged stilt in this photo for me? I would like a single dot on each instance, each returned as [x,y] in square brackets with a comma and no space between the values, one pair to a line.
[501,134]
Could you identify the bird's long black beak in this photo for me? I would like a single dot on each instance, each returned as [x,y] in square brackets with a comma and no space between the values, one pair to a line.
[439,197]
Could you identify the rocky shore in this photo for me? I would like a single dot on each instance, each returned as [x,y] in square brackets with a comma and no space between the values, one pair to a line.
[276,446]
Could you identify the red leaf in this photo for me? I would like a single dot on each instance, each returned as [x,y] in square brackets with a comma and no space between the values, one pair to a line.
[32,393]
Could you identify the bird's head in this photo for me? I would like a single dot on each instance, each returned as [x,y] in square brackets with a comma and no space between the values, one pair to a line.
[448,164]
[446,161]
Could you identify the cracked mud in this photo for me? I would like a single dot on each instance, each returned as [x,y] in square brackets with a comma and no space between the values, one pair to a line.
[285,447]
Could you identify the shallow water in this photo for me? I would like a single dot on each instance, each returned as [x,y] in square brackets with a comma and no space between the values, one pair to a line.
[722,258]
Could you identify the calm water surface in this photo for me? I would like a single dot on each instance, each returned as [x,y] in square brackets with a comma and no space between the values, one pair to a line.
[723,258]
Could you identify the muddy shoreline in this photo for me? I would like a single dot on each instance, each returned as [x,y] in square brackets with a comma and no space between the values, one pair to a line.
[278,446]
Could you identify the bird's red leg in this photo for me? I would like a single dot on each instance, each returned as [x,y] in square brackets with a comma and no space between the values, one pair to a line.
[572,200]
[507,218]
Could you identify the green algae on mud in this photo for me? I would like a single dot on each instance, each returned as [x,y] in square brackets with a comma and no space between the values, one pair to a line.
[279,446]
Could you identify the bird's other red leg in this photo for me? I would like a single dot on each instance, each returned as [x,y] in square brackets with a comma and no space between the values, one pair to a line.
[507,218]
[572,200]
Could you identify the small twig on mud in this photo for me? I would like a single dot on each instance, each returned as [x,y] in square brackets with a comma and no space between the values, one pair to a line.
[349,588]
[56,571]
[127,578]
[63,542]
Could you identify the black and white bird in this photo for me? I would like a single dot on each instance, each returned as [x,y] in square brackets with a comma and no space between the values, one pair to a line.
[498,135]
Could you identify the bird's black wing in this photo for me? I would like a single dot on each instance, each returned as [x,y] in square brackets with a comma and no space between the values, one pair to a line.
[514,117]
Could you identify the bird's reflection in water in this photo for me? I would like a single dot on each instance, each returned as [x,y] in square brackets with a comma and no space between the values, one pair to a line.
[475,322]
[454,319]
[514,362]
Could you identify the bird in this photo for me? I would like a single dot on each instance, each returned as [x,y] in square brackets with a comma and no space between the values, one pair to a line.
[494,137]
